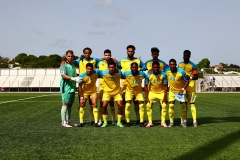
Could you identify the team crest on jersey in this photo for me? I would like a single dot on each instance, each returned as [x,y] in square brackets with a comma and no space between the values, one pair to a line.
[62,72]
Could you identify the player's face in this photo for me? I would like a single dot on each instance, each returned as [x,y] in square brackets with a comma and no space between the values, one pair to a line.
[107,56]
[130,52]
[69,57]
[155,55]
[155,69]
[87,54]
[173,66]
[89,70]
[111,69]
[186,57]
[134,69]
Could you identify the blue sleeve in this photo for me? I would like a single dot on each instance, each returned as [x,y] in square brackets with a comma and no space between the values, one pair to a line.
[97,61]
[165,81]
[146,78]
[141,64]
[76,62]
[183,75]
[84,74]
[144,68]
[100,73]
[194,67]
[119,65]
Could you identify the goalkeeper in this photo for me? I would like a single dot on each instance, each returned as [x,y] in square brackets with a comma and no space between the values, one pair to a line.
[67,88]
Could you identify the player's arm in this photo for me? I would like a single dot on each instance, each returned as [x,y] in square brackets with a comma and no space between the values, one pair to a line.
[146,86]
[64,75]
[81,95]
[165,88]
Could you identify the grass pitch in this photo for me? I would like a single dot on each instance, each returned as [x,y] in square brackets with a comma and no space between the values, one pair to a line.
[30,128]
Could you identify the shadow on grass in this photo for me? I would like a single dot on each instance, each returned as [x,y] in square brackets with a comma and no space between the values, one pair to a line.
[212,148]
[206,120]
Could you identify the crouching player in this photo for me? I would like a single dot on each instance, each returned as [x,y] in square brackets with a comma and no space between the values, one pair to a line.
[157,90]
[111,91]
[68,87]
[134,91]
[88,90]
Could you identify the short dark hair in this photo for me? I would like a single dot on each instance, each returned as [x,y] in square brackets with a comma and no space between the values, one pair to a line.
[131,46]
[155,63]
[89,65]
[134,63]
[155,49]
[187,52]
[172,60]
[69,51]
[112,63]
[87,48]
[107,51]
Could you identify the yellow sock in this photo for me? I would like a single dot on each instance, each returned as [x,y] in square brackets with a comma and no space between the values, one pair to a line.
[119,118]
[81,114]
[141,112]
[91,113]
[104,118]
[183,111]
[95,113]
[149,112]
[194,112]
[127,112]
[164,113]
[171,112]
[113,112]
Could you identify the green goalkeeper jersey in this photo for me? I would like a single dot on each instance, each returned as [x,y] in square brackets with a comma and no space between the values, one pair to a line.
[68,85]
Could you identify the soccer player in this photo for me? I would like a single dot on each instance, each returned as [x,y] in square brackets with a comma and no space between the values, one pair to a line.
[192,74]
[88,90]
[155,54]
[103,65]
[177,83]
[81,63]
[157,90]
[68,87]
[111,91]
[124,65]
[134,91]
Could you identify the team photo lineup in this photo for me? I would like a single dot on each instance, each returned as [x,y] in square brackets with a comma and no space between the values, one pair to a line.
[125,81]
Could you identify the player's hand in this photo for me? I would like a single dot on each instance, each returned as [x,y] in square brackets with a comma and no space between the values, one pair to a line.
[77,79]
[181,92]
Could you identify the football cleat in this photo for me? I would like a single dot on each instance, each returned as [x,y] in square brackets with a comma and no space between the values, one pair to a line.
[113,123]
[66,125]
[195,124]
[123,121]
[104,125]
[149,125]
[119,124]
[79,125]
[142,124]
[183,124]
[171,124]
[137,122]
[91,123]
[164,125]
[96,125]
[100,122]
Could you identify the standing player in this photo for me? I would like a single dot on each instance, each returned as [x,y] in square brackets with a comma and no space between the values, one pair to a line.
[81,63]
[125,64]
[68,87]
[111,91]
[177,84]
[192,73]
[155,54]
[134,91]
[157,90]
[103,65]
[88,90]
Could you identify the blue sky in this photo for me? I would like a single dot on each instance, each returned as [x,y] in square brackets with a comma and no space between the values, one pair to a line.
[208,28]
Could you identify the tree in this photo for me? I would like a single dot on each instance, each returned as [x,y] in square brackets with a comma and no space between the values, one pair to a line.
[204,63]
[4,62]
[21,58]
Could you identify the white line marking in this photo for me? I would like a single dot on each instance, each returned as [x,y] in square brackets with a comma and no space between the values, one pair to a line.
[23,99]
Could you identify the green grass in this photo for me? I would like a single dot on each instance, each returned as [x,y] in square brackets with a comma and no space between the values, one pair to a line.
[30,129]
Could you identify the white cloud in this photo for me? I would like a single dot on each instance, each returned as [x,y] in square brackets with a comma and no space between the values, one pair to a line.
[106,3]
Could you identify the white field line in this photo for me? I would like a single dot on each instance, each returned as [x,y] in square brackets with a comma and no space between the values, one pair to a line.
[23,99]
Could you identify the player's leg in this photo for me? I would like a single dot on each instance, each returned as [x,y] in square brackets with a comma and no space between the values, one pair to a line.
[104,112]
[171,100]
[100,96]
[82,111]
[192,97]
[118,100]
[91,112]
[111,104]
[65,101]
[140,100]
[69,108]
[149,114]
[163,110]
[183,114]
[123,108]
[137,111]
[94,99]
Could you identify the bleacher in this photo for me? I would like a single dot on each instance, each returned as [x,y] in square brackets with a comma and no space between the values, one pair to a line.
[30,78]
